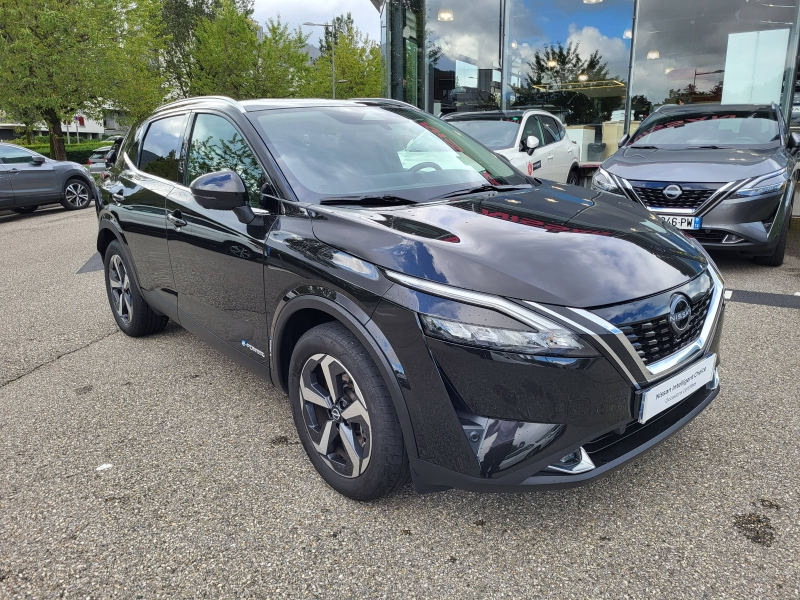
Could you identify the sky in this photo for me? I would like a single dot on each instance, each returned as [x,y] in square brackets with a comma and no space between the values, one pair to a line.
[297,12]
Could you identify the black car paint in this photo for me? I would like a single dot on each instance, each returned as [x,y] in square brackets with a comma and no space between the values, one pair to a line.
[308,264]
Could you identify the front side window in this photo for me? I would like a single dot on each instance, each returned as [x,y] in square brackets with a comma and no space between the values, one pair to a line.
[368,150]
[532,128]
[497,134]
[15,156]
[132,144]
[720,127]
[217,145]
[161,148]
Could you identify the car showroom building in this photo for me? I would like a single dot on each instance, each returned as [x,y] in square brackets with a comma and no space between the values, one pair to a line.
[599,65]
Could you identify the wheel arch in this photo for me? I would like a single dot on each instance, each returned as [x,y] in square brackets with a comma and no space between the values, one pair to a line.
[304,312]
[84,177]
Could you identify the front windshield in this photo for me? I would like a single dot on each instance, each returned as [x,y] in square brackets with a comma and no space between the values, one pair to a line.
[334,151]
[497,135]
[720,127]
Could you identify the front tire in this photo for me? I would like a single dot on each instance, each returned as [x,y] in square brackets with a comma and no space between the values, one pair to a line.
[776,258]
[77,195]
[344,414]
[132,314]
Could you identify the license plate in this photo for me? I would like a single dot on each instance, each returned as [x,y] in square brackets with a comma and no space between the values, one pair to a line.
[685,222]
[678,387]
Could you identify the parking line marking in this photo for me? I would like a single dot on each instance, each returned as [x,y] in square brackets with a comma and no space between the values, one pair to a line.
[764,298]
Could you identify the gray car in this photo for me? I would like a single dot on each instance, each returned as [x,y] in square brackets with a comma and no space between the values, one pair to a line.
[29,180]
[724,174]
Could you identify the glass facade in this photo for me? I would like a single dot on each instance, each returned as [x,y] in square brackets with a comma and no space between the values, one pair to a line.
[586,61]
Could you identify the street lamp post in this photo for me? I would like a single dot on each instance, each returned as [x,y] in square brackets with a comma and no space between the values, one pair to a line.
[333,53]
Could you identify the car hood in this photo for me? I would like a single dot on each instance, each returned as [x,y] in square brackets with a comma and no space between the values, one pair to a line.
[553,244]
[687,165]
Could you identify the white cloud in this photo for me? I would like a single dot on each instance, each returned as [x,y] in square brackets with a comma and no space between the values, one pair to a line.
[613,50]
[297,12]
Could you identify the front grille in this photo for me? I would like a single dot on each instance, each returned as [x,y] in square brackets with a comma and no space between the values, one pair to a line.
[690,198]
[654,339]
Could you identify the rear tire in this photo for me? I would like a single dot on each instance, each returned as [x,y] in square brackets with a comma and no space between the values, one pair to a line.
[25,210]
[77,194]
[574,177]
[354,441]
[132,314]
[776,258]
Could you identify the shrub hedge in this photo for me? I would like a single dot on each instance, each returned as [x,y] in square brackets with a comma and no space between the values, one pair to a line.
[78,153]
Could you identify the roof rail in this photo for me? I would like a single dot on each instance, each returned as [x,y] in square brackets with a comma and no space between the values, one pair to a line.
[195,99]
[384,101]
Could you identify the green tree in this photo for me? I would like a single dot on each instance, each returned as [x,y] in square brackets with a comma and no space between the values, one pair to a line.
[66,56]
[283,67]
[225,57]
[358,62]
[557,64]
[181,19]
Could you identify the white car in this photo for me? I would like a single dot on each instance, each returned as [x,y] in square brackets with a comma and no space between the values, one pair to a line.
[97,161]
[535,141]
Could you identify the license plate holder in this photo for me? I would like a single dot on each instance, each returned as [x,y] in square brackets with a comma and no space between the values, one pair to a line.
[671,391]
[690,223]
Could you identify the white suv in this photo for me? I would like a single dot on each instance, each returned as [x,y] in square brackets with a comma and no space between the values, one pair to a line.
[534,141]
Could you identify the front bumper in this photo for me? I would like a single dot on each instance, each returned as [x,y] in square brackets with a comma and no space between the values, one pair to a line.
[609,451]
[465,402]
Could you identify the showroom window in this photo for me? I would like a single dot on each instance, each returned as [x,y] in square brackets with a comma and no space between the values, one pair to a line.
[161,149]
[729,51]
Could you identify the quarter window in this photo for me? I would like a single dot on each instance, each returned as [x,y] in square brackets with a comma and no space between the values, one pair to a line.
[161,149]
[217,145]
[132,144]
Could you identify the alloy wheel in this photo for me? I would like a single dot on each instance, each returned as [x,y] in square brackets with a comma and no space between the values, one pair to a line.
[120,288]
[335,415]
[77,194]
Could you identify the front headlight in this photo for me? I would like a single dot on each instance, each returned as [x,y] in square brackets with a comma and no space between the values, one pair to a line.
[602,181]
[773,184]
[551,338]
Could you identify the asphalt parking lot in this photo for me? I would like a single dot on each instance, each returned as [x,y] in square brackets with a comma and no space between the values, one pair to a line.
[206,492]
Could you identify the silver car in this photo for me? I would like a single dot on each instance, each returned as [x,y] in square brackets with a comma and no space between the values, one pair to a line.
[29,180]
[97,161]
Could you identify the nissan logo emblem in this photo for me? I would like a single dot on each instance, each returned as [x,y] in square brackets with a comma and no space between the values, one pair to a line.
[672,192]
[680,314]
[336,414]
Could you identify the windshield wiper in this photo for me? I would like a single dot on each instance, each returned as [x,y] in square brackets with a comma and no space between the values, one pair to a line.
[367,200]
[645,147]
[487,187]
[709,147]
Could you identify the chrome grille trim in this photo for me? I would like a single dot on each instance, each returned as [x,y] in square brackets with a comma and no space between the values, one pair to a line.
[677,360]
[712,201]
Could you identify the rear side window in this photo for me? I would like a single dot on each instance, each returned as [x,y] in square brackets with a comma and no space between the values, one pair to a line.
[161,149]
[551,132]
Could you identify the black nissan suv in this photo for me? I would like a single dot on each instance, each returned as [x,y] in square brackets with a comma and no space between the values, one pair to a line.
[724,173]
[431,312]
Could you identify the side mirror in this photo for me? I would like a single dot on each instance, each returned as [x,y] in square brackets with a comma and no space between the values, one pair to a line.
[223,190]
[531,144]
[623,140]
[794,142]
[38,160]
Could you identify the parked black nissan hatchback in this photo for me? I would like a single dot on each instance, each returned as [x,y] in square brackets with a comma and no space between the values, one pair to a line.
[430,311]
[723,173]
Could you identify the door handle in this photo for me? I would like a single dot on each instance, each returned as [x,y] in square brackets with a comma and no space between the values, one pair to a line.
[117,198]
[175,219]
[14,171]
[550,157]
